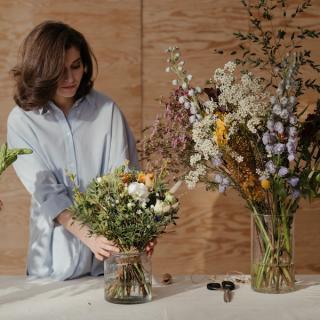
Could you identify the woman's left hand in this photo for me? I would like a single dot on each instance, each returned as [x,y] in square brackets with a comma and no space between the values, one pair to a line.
[150,247]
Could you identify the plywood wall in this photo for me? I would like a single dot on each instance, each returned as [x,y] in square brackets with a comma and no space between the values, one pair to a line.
[129,38]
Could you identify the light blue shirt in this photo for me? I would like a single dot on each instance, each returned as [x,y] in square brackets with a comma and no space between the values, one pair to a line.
[93,139]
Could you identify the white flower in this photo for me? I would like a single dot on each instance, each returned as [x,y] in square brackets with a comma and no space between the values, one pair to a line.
[179,68]
[175,82]
[181,99]
[168,69]
[191,93]
[184,86]
[170,198]
[187,105]
[99,179]
[193,108]
[192,119]
[130,205]
[138,191]
[198,89]
[161,207]
[195,158]
[189,77]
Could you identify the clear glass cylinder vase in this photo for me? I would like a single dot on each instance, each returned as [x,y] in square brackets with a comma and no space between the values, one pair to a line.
[128,278]
[272,252]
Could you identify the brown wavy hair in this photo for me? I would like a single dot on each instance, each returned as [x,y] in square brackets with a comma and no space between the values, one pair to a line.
[41,64]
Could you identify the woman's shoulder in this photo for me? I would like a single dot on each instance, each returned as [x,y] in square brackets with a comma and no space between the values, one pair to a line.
[17,115]
[100,99]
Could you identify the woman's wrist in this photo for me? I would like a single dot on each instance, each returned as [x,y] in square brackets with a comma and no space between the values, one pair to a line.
[79,230]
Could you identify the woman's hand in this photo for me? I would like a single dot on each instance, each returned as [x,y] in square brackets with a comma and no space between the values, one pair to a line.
[101,247]
[150,247]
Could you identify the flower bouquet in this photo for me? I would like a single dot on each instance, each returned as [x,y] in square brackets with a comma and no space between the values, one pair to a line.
[130,208]
[248,133]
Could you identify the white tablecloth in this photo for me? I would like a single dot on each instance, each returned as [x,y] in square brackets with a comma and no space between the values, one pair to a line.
[23,298]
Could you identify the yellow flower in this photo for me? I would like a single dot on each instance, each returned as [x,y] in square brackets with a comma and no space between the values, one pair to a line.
[220,133]
[265,184]
[141,177]
[149,180]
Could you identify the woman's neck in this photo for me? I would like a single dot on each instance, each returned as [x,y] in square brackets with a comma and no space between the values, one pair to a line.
[64,104]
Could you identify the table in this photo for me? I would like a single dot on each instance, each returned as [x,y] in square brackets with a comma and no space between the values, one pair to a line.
[26,298]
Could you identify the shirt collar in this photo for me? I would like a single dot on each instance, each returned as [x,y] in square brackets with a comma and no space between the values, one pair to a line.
[51,105]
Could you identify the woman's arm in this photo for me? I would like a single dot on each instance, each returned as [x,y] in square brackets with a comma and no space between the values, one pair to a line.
[99,245]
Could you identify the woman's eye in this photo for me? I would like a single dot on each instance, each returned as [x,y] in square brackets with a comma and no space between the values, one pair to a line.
[76,66]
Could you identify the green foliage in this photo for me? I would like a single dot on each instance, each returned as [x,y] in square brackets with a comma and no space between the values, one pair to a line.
[265,46]
[8,156]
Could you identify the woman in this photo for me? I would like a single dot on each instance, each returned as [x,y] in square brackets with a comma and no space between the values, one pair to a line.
[71,128]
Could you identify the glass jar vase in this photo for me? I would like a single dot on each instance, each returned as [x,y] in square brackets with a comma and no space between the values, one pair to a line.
[128,278]
[272,252]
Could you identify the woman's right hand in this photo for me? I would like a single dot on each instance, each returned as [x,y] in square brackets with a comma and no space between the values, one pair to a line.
[101,247]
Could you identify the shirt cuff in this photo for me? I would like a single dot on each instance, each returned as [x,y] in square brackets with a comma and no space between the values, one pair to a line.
[55,205]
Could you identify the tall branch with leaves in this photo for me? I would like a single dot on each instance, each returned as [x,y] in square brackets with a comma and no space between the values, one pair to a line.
[264,46]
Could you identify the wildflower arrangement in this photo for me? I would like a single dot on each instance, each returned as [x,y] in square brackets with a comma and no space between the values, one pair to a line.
[126,206]
[246,132]
[130,208]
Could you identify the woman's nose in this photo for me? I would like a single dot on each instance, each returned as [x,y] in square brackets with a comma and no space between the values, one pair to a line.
[68,76]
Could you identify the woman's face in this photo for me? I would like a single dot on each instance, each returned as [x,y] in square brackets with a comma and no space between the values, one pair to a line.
[73,72]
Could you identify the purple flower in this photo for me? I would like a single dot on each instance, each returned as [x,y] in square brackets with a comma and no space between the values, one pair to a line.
[270,167]
[295,194]
[270,125]
[283,171]
[269,148]
[278,127]
[291,157]
[276,109]
[292,99]
[266,138]
[291,147]
[293,181]
[218,178]
[284,114]
[293,120]
[273,100]
[292,131]
[216,162]
[222,188]
[279,148]
[225,181]
[283,100]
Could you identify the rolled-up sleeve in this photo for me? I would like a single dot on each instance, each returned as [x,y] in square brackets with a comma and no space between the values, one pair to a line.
[50,195]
